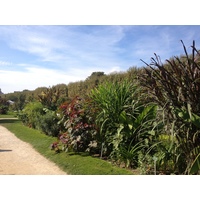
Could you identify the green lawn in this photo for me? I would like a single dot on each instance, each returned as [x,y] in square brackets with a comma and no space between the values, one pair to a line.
[80,164]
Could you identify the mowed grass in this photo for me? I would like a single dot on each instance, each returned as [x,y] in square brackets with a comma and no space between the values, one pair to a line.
[71,163]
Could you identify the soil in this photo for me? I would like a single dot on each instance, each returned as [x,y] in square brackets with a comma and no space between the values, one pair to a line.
[19,158]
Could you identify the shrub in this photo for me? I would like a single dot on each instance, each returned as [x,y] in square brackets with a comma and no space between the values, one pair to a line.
[48,123]
[31,114]
[4,106]
[36,116]
[79,125]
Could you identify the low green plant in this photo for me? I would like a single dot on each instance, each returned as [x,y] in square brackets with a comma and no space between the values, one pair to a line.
[129,154]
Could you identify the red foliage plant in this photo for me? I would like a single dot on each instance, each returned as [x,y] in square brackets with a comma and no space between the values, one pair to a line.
[79,123]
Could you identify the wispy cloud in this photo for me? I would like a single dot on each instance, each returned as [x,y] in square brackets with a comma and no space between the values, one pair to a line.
[69,48]
[5,63]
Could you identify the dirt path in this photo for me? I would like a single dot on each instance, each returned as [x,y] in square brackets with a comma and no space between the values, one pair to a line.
[19,158]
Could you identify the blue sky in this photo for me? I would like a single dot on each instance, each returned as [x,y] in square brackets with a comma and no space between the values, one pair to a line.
[35,56]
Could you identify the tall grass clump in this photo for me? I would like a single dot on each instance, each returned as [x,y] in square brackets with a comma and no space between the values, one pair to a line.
[175,87]
[112,100]
[125,123]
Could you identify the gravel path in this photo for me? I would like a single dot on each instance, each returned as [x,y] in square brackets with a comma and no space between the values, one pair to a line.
[19,158]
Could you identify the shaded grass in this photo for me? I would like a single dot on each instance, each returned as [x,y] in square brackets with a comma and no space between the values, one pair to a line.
[75,164]
[7,116]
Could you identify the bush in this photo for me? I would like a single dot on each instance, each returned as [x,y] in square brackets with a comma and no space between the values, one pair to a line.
[31,114]
[79,125]
[36,116]
[4,106]
[48,123]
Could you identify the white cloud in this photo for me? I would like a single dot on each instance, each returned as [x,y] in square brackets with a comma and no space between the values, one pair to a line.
[33,77]
[5,63]
[113,69]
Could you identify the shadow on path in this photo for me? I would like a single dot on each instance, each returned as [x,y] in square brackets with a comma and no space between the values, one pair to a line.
[5,150]
[8,120]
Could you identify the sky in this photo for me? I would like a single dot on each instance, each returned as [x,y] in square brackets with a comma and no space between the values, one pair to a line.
[34,56]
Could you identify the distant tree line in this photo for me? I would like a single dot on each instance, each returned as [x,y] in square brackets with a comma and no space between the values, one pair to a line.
[62,92]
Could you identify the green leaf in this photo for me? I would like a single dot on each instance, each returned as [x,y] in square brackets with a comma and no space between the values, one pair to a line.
[152,132]
[123,117]
[188,116]
[130,126]
[195,120]
[121,127]
[195,165]
[148,112]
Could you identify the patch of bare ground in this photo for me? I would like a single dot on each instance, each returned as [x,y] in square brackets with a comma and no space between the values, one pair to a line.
[20,158]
